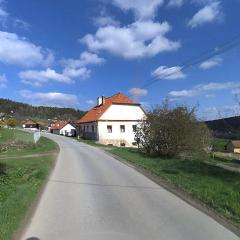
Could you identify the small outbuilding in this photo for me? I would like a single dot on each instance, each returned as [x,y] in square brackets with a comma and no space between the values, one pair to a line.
[233,146]
[29,124]
[68,130]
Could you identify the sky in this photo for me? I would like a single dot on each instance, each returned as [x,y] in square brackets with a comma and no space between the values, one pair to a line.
[66,53]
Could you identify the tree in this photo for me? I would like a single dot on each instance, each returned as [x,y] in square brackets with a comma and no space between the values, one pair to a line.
[11,122]
[172,132]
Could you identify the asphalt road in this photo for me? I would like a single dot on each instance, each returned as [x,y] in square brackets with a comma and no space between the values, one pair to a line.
[92,196]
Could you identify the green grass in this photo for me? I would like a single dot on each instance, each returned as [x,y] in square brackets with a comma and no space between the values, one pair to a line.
[219,144]
[20,181]
[216,187]
[8,135]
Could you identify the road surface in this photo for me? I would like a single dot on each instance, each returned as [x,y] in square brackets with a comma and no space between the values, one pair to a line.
[92,196]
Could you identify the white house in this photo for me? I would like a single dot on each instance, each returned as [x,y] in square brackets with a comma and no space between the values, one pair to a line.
[112,121]
[68,130]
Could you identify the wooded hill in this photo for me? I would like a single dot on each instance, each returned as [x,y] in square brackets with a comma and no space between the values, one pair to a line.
[22,111]
[228,128]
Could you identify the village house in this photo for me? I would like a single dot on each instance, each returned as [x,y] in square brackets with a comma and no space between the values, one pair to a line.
[233,146]
[29,124]
[112,121]
[65,128]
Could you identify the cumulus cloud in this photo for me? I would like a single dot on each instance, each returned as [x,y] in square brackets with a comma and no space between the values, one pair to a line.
[138,92]
[3,81]
[86,58]
[142,9]
[76,68]
[175,3]
[54,99]
[204,89]
[213,62]
[207,14]
[20,51]
[170,73]
[38,78]
[137,40]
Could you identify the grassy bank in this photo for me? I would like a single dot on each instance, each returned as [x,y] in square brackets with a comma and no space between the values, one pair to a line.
[21,178]
[216,187]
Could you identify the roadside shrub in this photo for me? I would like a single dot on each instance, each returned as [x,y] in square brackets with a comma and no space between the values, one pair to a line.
[171,132]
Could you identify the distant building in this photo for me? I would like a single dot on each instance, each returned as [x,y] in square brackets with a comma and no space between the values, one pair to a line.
[62,128]
[233,146]
[30,125]
[112,121]
[55,126]
[68,130]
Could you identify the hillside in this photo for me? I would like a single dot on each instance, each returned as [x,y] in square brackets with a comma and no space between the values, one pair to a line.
[22,111]
[225,128]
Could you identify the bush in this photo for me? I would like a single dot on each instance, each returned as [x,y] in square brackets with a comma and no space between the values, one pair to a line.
[171,132]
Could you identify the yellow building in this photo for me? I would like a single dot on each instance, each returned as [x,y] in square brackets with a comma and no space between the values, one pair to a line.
[234,146]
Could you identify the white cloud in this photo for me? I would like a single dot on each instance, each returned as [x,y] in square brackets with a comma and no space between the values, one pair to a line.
[143,9]
[213,62]
[105,21]
[137,40]
[175,3]
[81,73]
[76,68]
[3,81]
[138,92]
[55,99]
[207,14]
[90,102]
[211,113]
[17,50]
[38,78]
[171,73]
[86,58]
[203,89]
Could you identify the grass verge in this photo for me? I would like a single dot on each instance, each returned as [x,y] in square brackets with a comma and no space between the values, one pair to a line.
[20,181]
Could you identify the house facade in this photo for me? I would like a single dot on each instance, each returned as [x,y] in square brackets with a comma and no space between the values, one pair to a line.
[68,130]
[112,121]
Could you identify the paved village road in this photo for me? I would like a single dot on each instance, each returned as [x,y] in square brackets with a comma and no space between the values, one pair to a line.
[92,196]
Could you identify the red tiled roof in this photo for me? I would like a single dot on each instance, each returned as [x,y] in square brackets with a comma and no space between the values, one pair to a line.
[29,122]
[57,125]
[96,112]
[236,143]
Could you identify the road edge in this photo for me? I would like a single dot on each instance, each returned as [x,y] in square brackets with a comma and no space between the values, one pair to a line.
[32,209]
[181,194]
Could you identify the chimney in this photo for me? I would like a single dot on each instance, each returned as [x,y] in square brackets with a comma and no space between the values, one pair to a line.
[100,100]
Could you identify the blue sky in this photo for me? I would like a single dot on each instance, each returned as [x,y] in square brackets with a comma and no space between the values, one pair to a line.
[69,52]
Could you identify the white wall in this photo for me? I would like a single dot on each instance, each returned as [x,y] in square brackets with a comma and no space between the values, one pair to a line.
[123,112]
[117,137]
[67,129]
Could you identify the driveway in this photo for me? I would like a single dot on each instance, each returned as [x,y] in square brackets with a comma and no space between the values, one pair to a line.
[92,196]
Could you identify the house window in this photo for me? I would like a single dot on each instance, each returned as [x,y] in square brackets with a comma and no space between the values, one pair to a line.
[109,128]
[134,127]
[92,128]
[122,128]
[87,128]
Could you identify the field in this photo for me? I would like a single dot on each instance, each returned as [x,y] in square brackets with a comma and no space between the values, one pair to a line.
[22,173]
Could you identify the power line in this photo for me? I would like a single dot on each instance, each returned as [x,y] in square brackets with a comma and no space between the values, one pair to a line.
[220,49]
